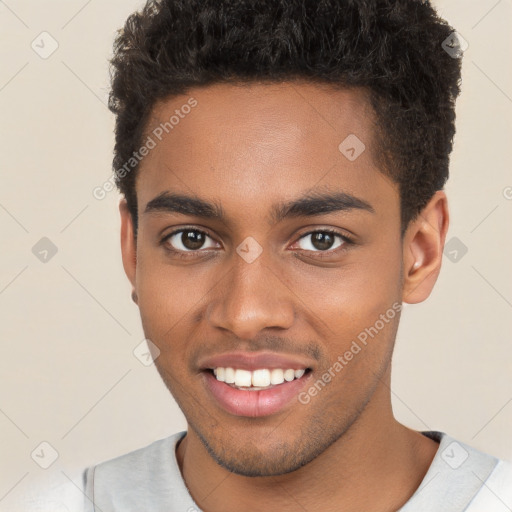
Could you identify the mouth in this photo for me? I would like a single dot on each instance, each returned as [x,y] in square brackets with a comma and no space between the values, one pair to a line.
[255,393]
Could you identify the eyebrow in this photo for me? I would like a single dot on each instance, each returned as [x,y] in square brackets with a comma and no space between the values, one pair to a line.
[309,205]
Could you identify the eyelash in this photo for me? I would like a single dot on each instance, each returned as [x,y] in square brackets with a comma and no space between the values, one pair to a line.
[347,241]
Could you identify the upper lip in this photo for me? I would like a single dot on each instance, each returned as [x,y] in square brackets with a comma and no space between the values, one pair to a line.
[254,361]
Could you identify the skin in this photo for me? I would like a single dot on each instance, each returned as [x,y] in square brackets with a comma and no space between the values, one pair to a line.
[247,148]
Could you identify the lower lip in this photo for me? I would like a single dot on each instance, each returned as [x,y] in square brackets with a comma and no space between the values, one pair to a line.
[254,403]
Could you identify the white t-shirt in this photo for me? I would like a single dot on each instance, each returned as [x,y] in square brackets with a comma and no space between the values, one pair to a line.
[459,479]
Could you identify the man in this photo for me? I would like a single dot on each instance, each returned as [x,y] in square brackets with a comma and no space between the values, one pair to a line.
[282,165]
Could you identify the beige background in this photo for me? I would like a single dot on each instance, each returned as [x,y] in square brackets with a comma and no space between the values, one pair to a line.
[69,328]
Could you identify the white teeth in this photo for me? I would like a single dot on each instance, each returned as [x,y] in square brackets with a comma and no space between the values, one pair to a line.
[243,378]
[229,376]
[277,376]
[261,378]
[221,374]
[289,375]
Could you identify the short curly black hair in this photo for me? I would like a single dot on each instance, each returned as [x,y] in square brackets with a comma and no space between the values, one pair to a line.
[394,49]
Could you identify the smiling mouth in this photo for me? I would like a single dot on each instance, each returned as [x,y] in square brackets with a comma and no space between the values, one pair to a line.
[259,379]
[257,392]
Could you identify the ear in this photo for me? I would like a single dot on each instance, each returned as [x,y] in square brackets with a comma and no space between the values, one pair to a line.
[128,245]
[423,249]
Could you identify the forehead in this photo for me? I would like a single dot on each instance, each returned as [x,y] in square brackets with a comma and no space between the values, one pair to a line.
[260,141]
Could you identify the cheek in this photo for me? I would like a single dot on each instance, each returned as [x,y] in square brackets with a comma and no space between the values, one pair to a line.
[352,294]
[355,308]
[359,308]
[168,297]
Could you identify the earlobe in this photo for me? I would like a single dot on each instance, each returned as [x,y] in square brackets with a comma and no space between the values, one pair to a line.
[128,246]
[423,249]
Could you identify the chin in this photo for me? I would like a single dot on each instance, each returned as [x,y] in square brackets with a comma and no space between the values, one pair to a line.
[255,464]
[278,458]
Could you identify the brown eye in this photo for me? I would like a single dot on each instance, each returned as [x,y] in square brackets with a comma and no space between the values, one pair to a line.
[321,241]
[192,240]
[189,240]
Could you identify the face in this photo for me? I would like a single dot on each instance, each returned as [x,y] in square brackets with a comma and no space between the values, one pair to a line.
[262,246]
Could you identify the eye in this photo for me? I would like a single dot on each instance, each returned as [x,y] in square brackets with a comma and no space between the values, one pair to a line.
[322,241]
[188,240]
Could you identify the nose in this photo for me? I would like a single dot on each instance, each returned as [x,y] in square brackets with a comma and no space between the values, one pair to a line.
[251,298]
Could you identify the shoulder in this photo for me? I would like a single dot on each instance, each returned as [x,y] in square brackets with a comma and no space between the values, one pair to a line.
[149,475]
[496,490]
[462,477]
[154,456]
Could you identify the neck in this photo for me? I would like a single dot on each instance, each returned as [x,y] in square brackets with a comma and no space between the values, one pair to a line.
[375,466]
